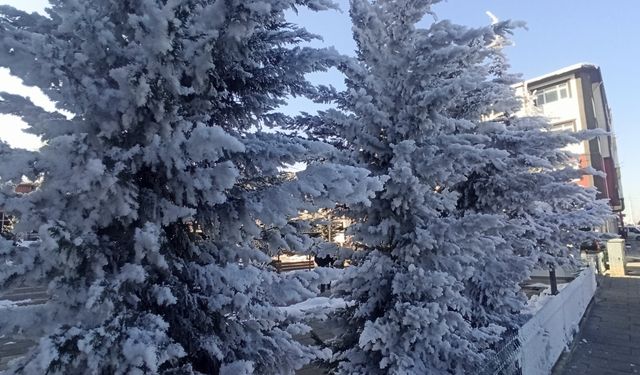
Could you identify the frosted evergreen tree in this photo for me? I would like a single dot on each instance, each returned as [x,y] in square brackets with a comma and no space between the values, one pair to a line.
[162,198]
[437,286]
[547,213]
[411,312]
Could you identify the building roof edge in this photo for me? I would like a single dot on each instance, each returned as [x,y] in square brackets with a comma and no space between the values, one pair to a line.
[565,70]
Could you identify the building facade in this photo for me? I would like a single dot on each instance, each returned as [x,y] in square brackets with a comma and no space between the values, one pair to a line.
[573,98]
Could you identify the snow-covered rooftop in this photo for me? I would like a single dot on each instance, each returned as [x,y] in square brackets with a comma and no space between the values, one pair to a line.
[564,70]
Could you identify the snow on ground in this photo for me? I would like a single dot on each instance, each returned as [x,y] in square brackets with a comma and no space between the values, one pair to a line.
[316,308]
[293,258]
[27,243]
[5,304]
[536,301]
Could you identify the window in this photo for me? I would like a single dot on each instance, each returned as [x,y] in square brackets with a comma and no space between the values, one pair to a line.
[551,94]
[564,126]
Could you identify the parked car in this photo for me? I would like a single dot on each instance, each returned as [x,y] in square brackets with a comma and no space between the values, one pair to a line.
[633,233]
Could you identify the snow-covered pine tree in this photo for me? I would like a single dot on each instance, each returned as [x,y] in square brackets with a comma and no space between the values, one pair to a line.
[451,237]
[406,116]
[547,214]
[544,212]
[160,194]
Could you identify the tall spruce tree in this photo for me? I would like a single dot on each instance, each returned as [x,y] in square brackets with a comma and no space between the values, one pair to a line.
[436,286]
[410,311]
[546,213]
[161,198]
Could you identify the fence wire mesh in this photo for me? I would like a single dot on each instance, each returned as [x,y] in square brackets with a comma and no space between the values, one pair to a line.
[505,360]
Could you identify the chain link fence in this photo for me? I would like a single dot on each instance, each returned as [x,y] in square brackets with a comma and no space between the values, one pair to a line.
[505,361]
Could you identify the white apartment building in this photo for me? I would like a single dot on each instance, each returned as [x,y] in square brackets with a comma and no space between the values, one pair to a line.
[574,98]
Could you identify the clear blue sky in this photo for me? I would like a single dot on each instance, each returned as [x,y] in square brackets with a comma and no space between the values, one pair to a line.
[560,33]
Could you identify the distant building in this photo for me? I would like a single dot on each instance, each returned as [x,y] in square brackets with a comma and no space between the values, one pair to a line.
[6,221]
[573,98]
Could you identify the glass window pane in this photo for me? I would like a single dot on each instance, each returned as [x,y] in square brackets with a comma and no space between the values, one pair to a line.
[550,96]
[563,93]
[564,126]
[540,99]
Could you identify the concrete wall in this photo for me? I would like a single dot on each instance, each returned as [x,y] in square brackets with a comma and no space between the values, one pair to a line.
[549,332]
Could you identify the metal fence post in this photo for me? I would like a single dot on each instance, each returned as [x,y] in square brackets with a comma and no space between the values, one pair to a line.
[554,281]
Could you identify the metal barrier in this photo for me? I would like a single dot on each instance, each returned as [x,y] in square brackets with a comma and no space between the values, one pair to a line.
[505,361]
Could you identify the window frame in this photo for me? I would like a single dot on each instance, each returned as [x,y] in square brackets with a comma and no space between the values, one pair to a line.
[561,91]
[564,126]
